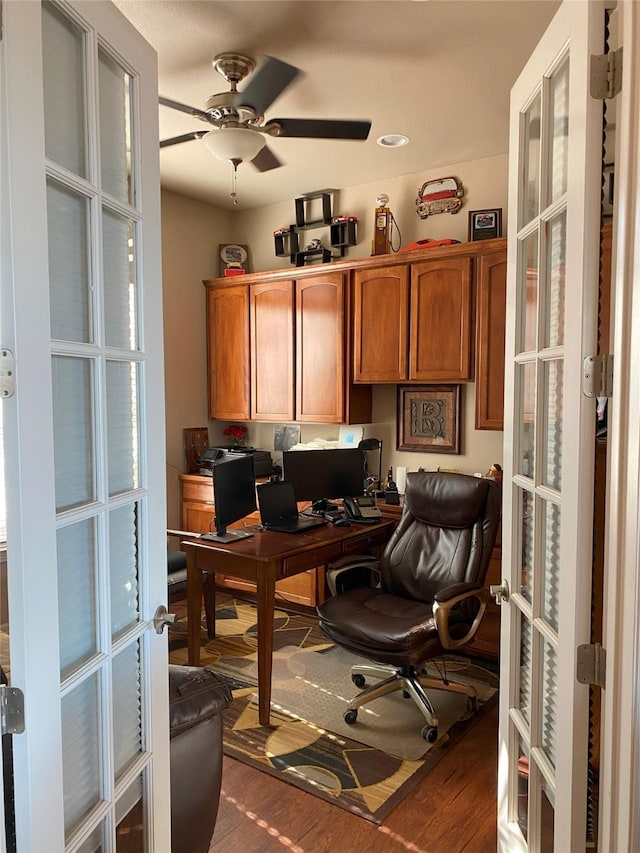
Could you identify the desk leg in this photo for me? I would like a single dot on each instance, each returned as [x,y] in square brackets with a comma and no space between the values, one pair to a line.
[266,602]
[194,599]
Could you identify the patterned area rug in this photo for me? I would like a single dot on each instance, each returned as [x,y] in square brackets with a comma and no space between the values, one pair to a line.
[366,768]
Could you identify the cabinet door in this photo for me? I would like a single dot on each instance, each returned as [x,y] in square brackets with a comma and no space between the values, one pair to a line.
[272,395]
[320,361]
[441,320]
[228,351]
[492,293]
[380,322]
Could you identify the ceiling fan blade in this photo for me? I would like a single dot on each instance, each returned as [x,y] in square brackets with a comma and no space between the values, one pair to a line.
[184,108]
[265,160]
[266,84]
[185,137]
[319,128]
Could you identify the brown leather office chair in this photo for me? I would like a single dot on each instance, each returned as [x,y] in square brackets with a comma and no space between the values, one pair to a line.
[430,597]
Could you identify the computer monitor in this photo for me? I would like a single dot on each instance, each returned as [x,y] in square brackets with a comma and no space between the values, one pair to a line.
[320,475]
[234,497]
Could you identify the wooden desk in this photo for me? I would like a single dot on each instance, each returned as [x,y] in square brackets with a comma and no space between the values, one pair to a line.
[265,558]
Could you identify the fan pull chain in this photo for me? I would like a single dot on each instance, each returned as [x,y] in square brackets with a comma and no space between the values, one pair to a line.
[234,178]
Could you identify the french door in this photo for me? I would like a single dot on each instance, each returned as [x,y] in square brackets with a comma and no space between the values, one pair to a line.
[552,297]
[84,430]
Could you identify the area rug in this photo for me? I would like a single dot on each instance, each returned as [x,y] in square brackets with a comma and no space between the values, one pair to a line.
[366,768]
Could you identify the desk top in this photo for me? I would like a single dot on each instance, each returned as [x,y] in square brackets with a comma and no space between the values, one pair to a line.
[269,545]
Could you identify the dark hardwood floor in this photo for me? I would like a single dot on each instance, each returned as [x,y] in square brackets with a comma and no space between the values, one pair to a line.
[453,810]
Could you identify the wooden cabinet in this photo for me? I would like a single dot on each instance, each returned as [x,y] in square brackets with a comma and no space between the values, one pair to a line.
[228,352]
[320,348]
[272,351]
[441,321]
[307,346]
[196,516]
[490,336]
[414,321]
[381,324]
[296,364]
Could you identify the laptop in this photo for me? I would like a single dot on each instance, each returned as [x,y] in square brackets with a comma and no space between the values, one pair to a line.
[279,509]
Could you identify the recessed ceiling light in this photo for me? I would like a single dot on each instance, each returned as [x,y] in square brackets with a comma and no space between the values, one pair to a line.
[392,140]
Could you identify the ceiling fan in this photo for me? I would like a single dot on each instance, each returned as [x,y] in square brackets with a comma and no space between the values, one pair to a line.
[238,128]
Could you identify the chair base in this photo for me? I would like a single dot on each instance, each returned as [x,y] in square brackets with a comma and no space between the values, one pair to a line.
[412,682]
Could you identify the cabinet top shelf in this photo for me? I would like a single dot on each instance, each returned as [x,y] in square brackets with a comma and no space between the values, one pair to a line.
[477,247]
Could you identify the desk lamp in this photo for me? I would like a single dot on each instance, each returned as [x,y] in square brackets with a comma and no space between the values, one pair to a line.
[366,445]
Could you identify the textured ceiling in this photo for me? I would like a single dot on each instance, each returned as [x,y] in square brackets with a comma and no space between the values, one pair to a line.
[438,71]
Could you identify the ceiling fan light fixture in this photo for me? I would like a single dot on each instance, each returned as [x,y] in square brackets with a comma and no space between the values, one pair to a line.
[392,140]
[234,143]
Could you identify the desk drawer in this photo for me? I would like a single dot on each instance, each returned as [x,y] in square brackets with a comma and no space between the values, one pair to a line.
[367,540]
[201,492]
[310,559]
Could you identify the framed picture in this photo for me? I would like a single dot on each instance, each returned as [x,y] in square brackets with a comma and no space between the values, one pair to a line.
[485,224]
[429,418]
[233,259]
[196,439]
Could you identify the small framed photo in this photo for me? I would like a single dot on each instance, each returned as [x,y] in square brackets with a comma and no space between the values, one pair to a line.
[485,224]
[429,418]
[233,259]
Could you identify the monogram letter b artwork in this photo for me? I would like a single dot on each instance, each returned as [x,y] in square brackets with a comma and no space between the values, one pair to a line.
[429,418]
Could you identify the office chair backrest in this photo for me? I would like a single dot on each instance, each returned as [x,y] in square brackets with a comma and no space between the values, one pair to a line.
[445,536]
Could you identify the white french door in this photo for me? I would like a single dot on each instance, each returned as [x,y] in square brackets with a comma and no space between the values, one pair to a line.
[552,299]
[81,309]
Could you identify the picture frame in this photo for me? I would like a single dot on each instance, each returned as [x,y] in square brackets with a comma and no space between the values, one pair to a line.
[234,259]
[485,224]
[428,418]
[196,439]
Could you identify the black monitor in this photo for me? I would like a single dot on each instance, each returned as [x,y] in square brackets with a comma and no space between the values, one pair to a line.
[234,497]
[320,475]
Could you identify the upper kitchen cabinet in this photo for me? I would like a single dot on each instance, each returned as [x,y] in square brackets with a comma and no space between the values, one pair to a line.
[419,317]
[299,362]
[228,352]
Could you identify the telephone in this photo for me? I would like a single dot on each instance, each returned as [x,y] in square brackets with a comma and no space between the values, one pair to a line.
[363,509]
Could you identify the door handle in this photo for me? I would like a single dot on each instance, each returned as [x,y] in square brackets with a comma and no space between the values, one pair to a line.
[500,592]
[161,618]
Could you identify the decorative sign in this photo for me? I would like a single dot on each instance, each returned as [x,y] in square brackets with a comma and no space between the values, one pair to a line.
[443,195]
[429,418]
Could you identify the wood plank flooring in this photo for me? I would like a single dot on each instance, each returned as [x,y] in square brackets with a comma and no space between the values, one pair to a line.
[453,810]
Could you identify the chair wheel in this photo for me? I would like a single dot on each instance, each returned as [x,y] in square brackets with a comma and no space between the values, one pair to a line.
[472,704]
[430,734]
[350,716]
[358,679]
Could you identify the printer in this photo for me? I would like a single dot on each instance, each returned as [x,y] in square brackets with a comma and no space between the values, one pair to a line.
[262,462]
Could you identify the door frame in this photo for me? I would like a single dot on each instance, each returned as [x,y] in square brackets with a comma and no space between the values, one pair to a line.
[619,818]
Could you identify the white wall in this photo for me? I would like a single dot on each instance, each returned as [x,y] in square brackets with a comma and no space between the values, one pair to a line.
[192,232]
[484,182]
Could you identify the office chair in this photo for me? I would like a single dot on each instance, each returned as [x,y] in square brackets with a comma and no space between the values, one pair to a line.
[177,585]
[429,597]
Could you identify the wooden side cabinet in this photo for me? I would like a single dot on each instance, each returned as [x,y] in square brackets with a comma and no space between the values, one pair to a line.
[228,352]
[272,351]
[490,337]
[197,511]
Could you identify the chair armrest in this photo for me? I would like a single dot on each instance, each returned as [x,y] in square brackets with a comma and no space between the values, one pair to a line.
[446,599]
[345,565]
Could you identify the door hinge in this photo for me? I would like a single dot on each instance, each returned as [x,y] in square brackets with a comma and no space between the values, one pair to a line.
[7,373]
[597,376]
[605,74]
[591,665]
[11,710]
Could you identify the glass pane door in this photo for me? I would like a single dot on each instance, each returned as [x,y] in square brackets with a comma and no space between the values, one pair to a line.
[102,421]
[552,300]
